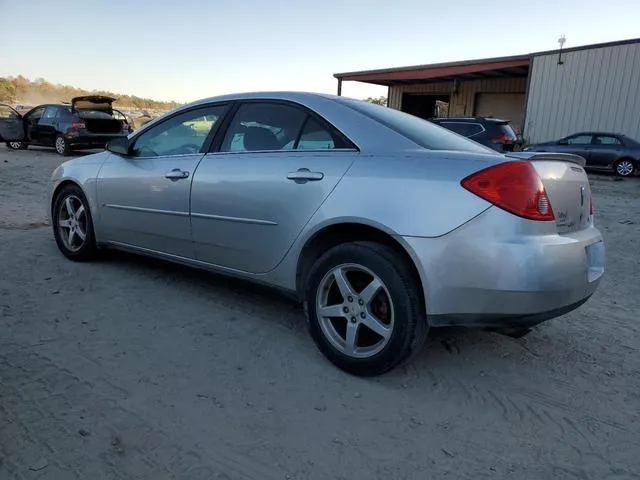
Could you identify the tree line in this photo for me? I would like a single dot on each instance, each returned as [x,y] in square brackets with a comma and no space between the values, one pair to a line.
[33,92]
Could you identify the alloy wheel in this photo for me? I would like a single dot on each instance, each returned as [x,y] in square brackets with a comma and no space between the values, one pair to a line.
[15,145]
[72,223]
[355,310]
[624,168]
[61,145]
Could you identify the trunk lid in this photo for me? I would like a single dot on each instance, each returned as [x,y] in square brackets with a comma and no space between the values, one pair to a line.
[567,187]
[98,103]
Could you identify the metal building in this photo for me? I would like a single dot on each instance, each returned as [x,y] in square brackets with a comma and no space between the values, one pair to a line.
[547,95]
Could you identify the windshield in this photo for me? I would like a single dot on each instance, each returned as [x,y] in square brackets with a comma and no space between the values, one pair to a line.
[419,131]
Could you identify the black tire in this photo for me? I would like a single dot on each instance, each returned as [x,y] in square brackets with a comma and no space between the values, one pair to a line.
[409,326]
[76,249]
[62,146]
[17,145]
[625,167]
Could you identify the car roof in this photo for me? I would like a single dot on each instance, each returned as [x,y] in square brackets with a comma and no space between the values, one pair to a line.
[367,133]
[295,96]
[471,119]
[613,134]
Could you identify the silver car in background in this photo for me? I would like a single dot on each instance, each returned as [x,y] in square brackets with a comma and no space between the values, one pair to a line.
[382,224]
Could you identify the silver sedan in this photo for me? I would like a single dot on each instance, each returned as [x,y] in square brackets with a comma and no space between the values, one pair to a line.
[382,224]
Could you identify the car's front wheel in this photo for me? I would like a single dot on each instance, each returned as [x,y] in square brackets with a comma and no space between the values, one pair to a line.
[624,167]
[17,145]
[363,304]
[72,224]
[62,146]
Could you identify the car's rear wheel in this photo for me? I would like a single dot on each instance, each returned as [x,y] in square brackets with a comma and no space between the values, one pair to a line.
[624,167]
[364,309]
[72,224]
[62,146]
[17,145]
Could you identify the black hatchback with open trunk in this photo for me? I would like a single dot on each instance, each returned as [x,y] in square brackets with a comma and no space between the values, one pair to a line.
[87,122]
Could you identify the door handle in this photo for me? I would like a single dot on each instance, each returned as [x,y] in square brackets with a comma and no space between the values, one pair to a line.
[176,174]
[305,175]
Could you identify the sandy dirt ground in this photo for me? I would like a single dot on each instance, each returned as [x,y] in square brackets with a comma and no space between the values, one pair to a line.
[132,368]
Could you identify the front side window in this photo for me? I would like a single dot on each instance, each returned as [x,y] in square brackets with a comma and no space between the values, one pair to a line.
[183,134]
[421,132]
[35,114]
[580,140]
[7,112]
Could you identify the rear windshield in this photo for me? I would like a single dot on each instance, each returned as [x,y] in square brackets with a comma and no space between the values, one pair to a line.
[506,129]
[419,131]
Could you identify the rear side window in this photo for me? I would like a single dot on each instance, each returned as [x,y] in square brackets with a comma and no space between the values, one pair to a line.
[607,140]
[267,126]
[50,113]
[422,132]
[464,128]
[580,140]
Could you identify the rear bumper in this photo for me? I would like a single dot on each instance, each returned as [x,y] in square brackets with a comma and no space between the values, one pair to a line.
[479,275]
[89,140]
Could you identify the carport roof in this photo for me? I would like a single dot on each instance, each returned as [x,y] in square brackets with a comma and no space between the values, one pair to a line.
[516,66]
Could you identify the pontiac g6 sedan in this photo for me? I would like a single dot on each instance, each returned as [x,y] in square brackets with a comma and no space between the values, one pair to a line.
[382,224]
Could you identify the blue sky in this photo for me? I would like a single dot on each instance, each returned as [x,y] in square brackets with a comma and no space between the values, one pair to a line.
[185,49]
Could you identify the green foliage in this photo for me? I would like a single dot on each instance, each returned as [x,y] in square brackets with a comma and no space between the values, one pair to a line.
[22,90]
[378,101]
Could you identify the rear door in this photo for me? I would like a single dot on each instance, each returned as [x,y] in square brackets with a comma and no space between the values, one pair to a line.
[47,126]
[606,149]
[253,195]
[11,124]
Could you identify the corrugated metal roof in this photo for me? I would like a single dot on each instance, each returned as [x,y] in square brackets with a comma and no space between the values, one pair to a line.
[517,65]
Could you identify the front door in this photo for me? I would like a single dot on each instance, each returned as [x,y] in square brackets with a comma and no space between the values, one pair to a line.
[580,144]
[11,125]
[31,120]
[144,198]
[252,198]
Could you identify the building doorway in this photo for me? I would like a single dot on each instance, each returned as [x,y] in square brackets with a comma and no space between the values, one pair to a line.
[425,105]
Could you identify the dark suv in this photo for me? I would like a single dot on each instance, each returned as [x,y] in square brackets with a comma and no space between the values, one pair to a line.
[493,132]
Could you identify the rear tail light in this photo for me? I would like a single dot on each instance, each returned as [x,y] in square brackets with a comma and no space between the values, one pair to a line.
[513,186]
[77,125]
[502,139]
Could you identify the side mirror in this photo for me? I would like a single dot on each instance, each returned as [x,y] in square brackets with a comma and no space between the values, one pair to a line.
[563,142]
[119,146]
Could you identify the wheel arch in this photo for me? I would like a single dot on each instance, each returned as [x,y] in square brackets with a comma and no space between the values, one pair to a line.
[335,234]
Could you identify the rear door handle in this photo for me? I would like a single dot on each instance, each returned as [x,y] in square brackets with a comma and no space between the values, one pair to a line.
[305,175]
[176,174]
